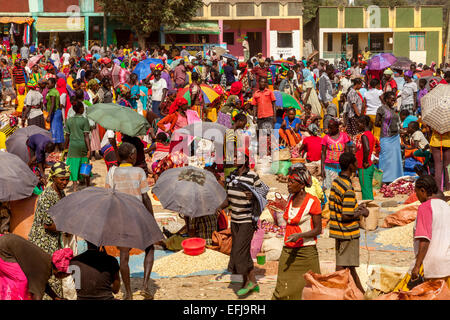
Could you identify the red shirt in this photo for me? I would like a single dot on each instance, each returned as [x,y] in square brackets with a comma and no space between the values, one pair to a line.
[264,99]
[360,150]
[313,147]
[300,220]
[443,82]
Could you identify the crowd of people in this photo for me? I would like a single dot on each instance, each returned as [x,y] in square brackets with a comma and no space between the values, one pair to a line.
[351,120]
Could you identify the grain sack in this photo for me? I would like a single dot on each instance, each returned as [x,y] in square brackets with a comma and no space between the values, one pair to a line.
[181,264]
[370,223]
[397,237]
[429,290]
[272,248]
[338,285]
[401,217]
[385,278]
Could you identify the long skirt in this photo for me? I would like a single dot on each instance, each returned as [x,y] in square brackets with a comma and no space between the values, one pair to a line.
[13,282]
[57,126]
[241,261]
[332,171]
[75,166]
[291,138]
[391,158]
[366,182]
[95,139]
[293,264]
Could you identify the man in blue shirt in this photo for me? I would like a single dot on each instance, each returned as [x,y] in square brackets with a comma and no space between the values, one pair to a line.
[406,118]
[38,145]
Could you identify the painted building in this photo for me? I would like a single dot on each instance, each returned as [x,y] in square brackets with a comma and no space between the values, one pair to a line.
[272,27]
[410,32]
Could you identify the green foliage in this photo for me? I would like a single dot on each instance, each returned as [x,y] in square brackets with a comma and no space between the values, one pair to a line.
[146,16]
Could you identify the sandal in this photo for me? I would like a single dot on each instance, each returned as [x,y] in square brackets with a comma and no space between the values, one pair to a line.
[251,287]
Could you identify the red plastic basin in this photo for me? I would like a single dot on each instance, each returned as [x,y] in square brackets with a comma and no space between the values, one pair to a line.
[194,246]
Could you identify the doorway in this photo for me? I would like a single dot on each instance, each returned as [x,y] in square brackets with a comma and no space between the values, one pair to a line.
[353,40]
[124,37]
[255,42]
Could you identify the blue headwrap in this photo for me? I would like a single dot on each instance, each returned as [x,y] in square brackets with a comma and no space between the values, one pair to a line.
[308,76]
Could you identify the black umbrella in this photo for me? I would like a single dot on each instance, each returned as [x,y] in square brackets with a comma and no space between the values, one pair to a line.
[17,181]
[17,142]
[402,63]
[106,217]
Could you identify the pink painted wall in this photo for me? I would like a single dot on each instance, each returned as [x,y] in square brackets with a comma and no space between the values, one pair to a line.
[236,49]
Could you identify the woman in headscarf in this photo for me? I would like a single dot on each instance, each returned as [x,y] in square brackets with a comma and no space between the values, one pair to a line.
[196,94]
[77,142]
[95,132]
[55,114]
[124,95]
[334,144]
[356,107]
[304,224]
[43,231]
[26,270]
[390,156]
[309,92]
[64,98]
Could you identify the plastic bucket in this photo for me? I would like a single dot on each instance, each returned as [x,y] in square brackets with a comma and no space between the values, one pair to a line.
[261,258]
[85,169]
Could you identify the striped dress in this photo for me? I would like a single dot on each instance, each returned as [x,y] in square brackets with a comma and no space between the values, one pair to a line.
[343,201]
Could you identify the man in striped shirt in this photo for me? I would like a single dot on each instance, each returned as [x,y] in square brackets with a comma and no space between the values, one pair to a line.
[344,217]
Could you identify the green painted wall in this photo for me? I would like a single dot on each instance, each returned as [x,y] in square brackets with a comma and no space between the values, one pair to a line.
[401,44]
[432,46]
[354,18]
[432,17]
[328,17]
[384,17]
[405,17]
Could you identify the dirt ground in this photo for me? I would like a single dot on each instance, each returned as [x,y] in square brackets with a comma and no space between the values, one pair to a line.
[202,288]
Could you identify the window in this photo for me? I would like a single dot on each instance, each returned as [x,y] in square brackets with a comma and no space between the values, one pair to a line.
[294,9]
[270,9]
[228,37]
[330,42]
[417,41]
[377,42]
[284,40]
[220,9]
[182,38]
[245,9]
[199,12]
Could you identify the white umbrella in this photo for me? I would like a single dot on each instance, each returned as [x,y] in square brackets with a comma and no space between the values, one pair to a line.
[436,108]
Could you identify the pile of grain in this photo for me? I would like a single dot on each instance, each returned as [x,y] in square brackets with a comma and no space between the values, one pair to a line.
[397,236]
[179,264]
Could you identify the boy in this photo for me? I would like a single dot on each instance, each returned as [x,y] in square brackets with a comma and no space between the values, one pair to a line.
[344,217]
[132,180]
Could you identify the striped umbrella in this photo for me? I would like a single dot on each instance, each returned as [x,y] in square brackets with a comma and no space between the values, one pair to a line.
[285,100]
[119,75]
[209,94]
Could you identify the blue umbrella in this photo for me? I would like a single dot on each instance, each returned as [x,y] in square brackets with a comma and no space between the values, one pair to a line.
[230,56]
[142,69]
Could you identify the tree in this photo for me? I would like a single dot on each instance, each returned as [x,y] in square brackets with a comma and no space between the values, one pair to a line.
[146,16]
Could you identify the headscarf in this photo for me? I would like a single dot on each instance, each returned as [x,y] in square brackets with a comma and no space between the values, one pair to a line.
[300,173]
[58,170]
[61,86]
[178,102]
[123,89]
[314,129]
[236,90]
[159,67]
[388,72]
[92,83]
[32,84]
[61,259]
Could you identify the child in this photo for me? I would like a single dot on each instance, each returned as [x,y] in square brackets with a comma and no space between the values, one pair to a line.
[421,93]
[419,142]
[307,117]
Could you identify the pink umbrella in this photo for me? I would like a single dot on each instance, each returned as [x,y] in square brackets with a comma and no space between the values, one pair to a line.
[119,75]
[34,60]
